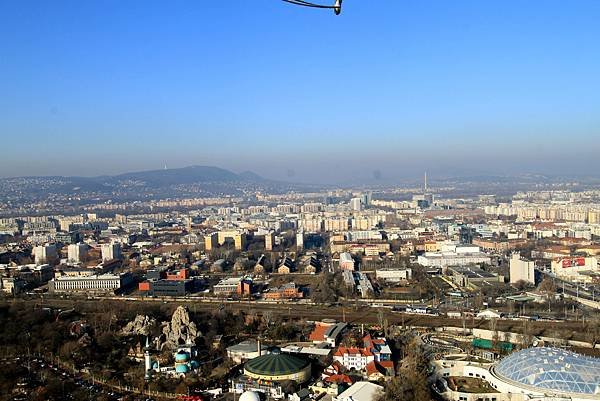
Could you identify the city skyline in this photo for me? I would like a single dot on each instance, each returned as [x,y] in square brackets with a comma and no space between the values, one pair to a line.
[300,200]
[296,94]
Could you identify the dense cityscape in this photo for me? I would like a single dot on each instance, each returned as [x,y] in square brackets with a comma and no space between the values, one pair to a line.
[299,200]
[342,294]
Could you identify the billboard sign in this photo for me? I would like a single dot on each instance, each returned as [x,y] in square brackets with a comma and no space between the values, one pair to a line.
[573,262]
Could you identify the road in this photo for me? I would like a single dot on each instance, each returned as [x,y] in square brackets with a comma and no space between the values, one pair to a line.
[576,291]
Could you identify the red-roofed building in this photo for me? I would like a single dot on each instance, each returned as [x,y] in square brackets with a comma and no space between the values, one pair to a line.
[181,274]
[380,370]
[353,358]
[338,379]
[318,333]
[378,347]
[334,369]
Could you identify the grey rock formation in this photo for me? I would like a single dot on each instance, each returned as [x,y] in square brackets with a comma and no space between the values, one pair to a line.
[180,330]
[140,326]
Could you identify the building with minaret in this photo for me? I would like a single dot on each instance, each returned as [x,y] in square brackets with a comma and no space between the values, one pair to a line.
[147,361]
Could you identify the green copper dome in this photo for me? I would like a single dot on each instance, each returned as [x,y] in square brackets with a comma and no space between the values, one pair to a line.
[276,364]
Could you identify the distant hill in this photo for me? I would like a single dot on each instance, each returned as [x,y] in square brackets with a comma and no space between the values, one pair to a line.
[186,181]
[187,175]
[158,178]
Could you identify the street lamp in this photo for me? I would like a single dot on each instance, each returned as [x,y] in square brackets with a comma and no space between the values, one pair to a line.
[336,7]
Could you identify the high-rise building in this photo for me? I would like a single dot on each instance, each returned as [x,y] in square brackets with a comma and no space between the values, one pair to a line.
[269,240]
[44,254]
[300,240]
[111,251]
[211,241]
[356,204]
[75,252]
[367,198]
[521,269]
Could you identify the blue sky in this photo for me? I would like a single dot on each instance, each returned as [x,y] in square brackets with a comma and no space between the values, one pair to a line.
[452,87]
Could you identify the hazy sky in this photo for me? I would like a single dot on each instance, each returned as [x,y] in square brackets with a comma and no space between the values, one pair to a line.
[452,87]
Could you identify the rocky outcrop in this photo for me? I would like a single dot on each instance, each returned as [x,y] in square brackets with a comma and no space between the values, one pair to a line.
[140,326]
[180,330]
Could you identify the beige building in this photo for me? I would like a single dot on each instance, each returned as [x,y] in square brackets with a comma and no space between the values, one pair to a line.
[76,252]
[211,241]
[269,241]
[521,269]
[337,224]
[218,238]
[45,254]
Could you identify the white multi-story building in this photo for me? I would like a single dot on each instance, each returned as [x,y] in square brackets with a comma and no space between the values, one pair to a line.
[364,235]
[300,239]
[356,204]
[393,275]
[574,268]
[346,261]
[445,259]
[521,269]
[353,358]
[96,283]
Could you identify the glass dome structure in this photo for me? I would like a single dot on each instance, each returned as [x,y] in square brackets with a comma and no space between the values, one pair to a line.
[552,370]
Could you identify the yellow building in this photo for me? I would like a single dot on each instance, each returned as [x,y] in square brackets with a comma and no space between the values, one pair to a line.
[211,240]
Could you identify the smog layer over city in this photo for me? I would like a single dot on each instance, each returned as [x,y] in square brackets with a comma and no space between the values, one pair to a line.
[300,200]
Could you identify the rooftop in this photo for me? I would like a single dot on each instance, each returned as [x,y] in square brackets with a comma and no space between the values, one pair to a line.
[276,364]
[361,391]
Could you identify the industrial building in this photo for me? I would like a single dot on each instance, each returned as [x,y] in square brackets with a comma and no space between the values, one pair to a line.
[473,276]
